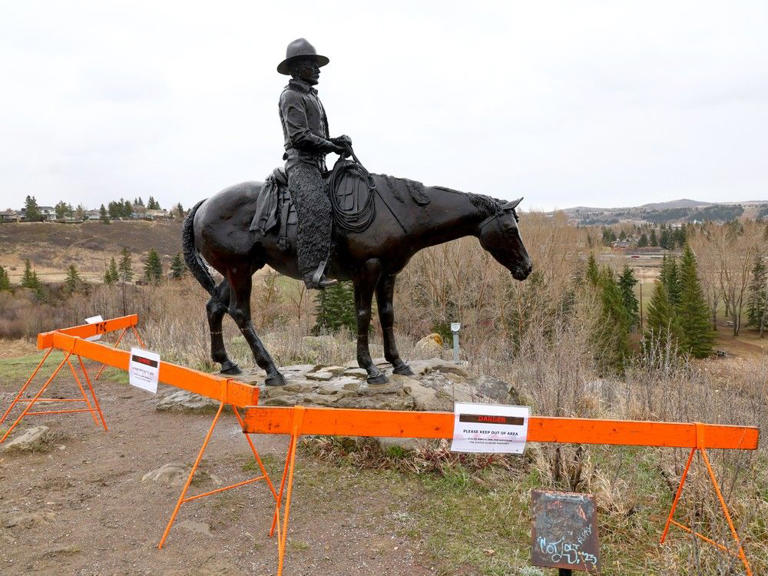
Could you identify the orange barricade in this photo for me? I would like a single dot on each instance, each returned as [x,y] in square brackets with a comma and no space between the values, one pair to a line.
[45,342]
[300,420]
[71,340]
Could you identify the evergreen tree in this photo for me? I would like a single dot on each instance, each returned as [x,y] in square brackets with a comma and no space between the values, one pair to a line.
[30,280]
[80,212]
[114,275]
[5,282]
[611,336]
[104,215]
[666,241]
[661,323]
[757,299]
[622,235]
[627,282]
[679,237]
[125,269]
[153,268]
[73,282]
[643,241]
[178,268]
[336,308]
[669,278]
[153,204]
[692,311]
[593,273]
[32,210]
[179,210]
[652,240]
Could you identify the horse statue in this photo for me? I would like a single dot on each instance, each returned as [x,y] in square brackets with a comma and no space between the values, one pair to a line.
[408,217]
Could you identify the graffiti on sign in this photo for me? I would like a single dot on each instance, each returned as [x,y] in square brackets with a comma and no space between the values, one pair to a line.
[564,531]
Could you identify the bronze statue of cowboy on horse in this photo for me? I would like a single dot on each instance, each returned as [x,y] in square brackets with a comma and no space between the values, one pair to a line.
[406,217]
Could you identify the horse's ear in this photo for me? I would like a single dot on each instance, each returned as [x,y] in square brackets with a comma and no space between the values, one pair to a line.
[512,204]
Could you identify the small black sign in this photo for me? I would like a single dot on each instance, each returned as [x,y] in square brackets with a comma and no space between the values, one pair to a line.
[564,531]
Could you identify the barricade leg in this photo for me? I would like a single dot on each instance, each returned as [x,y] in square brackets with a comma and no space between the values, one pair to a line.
[191,475]
[290,463]
[670,520]
[36,397]
[93,394]
[256,454]
[26,385]
[727,515]
[82,393]
[183,498]
[677,496]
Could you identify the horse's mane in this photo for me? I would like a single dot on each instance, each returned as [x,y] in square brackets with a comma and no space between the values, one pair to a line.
[485,204]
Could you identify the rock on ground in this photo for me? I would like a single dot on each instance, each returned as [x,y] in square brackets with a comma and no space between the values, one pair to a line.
[435,386]
[35,439]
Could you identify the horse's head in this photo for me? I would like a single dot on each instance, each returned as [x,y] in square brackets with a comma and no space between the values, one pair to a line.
[500,236]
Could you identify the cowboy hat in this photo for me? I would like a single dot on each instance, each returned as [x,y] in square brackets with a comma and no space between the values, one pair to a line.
[297,50]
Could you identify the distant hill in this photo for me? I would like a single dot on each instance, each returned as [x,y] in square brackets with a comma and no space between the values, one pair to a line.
[674,204]
[673,212]
[52,247]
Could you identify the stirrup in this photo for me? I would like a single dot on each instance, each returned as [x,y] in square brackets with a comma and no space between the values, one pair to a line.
[319,280]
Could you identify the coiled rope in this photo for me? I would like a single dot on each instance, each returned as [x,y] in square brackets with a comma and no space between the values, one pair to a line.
[352,220]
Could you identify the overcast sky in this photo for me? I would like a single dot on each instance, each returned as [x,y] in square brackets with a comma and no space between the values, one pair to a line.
[566,103]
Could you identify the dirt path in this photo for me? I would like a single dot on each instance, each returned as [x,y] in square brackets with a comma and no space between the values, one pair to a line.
[82,508]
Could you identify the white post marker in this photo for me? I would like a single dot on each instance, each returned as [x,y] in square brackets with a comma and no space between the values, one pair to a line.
[144,369]
[455,327]
[489,428]
[94,320]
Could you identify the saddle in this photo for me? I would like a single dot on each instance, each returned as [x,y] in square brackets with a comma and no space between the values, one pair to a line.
[349,187]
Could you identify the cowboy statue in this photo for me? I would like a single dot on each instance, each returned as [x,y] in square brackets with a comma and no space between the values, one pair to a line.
[305,128]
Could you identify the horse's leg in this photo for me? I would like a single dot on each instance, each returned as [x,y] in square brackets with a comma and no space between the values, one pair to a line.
[365,283]
[216,308]
[384,294]
[240,310]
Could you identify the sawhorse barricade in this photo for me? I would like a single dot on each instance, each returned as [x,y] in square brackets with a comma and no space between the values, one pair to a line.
[225,390]
[299,420]
[45,342]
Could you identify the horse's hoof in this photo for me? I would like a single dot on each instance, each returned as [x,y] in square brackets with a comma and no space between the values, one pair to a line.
[275,379]
[403,369]
[378,379]
[230,368]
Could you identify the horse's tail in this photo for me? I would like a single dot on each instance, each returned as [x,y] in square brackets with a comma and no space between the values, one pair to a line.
[192,256]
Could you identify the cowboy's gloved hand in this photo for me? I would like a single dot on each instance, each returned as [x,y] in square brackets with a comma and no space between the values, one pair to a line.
[338,148]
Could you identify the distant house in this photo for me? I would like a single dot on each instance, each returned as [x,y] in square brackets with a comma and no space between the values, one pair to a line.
[158,215]
[92,214]
[47,213]
[9,216]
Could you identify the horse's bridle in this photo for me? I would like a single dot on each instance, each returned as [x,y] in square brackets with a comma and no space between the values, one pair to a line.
[508,207]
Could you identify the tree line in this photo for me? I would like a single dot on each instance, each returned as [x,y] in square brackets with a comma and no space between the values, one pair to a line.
[113,211]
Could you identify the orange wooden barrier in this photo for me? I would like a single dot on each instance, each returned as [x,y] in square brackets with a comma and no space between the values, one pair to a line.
[301,420]
[45,342]
[71,340]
